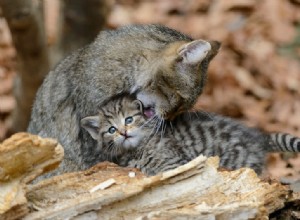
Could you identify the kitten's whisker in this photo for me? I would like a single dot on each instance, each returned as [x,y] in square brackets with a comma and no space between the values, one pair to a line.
[115,152]
[118,151]
[110,149]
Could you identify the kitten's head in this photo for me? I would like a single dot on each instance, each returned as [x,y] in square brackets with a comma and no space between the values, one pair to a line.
[179,75]
[117,127]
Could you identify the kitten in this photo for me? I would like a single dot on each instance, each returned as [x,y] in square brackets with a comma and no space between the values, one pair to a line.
[122,130]
[163,67]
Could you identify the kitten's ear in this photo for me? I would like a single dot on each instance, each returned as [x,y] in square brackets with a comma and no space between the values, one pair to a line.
[139,105]
[91,125]
[196,51]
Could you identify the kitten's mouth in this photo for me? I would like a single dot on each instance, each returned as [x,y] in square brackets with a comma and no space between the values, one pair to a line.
[126,136]
[149,111]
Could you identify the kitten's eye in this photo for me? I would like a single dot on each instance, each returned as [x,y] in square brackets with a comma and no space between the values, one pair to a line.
[112,130]
[128,120]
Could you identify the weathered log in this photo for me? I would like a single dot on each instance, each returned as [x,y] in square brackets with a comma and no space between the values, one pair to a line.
[79,24]
[196,190]
[23,157]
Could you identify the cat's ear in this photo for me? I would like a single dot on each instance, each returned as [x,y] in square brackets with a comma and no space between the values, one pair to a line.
[196,51]
[91,125]
[139,105]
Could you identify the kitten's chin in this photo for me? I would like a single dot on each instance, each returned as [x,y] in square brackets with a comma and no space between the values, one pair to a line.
[131,143]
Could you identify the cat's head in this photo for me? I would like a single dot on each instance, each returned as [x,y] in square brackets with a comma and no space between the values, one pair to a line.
[178,77]
[117,127]
[166,69]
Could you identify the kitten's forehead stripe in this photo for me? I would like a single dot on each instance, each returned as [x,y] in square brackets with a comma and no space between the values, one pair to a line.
[107,113]
[137,114]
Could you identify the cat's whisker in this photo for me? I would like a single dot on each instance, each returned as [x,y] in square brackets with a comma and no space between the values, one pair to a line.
[171,126]
[162,128]
[151,133]
[153,121]
[164,125]
[207,114]
[196,113]
[189,113]
[155,127]
[158,126]
[150,120]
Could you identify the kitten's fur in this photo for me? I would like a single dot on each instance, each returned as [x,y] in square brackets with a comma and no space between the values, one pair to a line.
[189,135]
[165,68]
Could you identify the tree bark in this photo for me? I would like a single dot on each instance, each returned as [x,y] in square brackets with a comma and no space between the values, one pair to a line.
[80,23]
[25,21]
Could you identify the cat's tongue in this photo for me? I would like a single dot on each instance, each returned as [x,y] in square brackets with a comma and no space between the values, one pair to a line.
[149,112]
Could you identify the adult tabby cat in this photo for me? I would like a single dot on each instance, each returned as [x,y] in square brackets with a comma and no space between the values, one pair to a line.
[164,68]
[122,130]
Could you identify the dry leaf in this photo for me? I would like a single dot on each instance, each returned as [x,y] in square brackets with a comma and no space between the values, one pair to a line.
[7,104]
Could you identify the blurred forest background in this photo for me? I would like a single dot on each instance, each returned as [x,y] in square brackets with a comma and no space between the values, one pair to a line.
[255,77]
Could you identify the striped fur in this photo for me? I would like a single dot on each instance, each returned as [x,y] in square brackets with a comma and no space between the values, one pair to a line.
[166,145]
[285,142]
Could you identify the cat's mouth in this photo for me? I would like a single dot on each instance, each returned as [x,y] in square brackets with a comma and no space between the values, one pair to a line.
[148,104]
[149,111]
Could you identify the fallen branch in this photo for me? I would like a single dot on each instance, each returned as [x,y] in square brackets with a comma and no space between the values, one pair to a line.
[23,157]
[195,190]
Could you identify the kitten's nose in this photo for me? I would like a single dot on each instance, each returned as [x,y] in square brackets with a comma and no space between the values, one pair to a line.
[124,133]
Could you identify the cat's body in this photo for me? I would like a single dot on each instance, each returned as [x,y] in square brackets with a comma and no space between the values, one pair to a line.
[189,135]
[161,66]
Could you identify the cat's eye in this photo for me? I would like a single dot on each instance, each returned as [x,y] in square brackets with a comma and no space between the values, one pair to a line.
[112,130]
[128,120]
